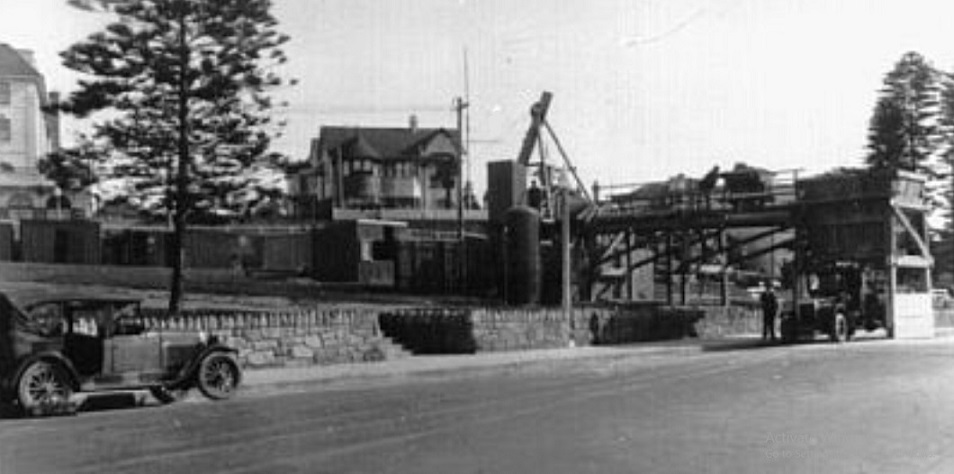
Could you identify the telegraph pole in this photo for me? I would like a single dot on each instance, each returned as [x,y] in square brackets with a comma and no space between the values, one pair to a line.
[459,106]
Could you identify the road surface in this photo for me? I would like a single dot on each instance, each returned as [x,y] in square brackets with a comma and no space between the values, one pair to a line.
[876,406]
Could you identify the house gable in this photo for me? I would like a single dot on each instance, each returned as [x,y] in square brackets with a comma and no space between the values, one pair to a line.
[440,144]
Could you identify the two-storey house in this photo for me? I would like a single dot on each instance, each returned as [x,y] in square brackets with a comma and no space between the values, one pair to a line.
[364,168]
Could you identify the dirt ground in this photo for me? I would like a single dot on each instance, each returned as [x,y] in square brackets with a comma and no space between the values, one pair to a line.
[325,299]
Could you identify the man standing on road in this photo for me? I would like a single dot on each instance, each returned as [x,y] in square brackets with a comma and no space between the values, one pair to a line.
[769,308]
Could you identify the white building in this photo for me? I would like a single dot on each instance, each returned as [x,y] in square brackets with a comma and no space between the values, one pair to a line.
[27,134]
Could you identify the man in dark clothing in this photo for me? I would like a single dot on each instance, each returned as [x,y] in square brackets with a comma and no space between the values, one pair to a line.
[535,196]
[769,309]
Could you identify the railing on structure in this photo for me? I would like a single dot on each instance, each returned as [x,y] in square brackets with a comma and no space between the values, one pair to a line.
[736,191]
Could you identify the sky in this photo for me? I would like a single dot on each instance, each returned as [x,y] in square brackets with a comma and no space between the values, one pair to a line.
[643,89]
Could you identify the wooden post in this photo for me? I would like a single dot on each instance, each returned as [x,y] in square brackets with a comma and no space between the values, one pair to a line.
[629,266]
[669,295]
[587,277]
[723,272]
[683,277]
[799,268]
[892,243]
[565,249]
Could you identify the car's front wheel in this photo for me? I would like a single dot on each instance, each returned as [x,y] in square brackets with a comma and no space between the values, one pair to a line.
[44,386]
[219,376]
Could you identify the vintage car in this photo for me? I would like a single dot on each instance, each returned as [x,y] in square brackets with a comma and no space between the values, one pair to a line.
[54,346]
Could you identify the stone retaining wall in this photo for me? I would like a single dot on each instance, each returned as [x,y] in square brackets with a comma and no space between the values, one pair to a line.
[469,330]
[643,322]
[290,339]
[733,320]
[314,337]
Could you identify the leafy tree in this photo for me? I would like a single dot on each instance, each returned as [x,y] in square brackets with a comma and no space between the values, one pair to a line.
[886,137]
[904,131]
[943,247]
[184,84]
[71,168]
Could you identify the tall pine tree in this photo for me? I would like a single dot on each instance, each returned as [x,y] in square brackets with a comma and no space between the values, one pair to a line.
[185,85]
[904,132]
[944,248]
[887,140]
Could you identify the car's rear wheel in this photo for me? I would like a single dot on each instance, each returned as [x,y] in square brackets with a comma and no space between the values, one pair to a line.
[44,386]
[167,395]
[219,376]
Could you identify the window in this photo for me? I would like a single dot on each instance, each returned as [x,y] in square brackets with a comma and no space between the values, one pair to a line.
[912,280]
[126,321]
[20,201]
[5,95]
[6,133]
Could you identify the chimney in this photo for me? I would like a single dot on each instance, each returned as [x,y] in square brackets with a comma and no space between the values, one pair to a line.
[27,55]
[412,123]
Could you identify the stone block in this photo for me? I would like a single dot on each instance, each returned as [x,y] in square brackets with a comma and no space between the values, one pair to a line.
[313,341]
[302,352]
[265,345]
[261,359]
[324,356]
[235,342]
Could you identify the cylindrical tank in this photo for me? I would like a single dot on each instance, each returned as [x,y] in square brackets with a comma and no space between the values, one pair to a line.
[522,255]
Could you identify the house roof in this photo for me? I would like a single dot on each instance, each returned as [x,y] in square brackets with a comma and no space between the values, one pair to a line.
[379,143]
[13,64]
[358,147]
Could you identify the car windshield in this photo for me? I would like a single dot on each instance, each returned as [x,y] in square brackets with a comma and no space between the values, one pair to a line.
[48,320]
[91,317]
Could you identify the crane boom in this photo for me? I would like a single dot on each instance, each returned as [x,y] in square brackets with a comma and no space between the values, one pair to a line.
[538,115]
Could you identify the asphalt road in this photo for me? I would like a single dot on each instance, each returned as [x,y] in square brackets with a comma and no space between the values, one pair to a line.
[877,406]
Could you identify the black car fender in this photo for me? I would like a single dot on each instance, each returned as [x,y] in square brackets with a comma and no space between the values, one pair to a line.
[10,383]
[187,374]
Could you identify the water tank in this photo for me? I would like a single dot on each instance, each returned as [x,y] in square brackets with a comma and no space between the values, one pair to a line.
[522,254]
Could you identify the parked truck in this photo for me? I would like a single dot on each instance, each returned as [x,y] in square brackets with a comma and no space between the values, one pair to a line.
[838,299]
[861,256]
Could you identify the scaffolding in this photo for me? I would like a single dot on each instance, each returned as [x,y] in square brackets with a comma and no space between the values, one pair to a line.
[682,233]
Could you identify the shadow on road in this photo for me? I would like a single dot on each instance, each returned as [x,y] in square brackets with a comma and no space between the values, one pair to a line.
[92,403]
[752,344]
[117,401]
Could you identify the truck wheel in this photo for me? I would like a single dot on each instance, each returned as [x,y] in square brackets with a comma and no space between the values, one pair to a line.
[219,376]
[839,330]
